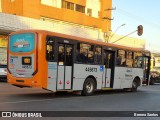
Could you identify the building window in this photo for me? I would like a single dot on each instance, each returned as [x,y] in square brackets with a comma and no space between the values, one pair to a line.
[99,14]
[49,2]
[89,12]
[80,8]
[12,0]
[67,5]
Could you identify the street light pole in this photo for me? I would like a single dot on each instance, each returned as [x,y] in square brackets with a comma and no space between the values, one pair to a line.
[139,32]
[124,36]
[117,30]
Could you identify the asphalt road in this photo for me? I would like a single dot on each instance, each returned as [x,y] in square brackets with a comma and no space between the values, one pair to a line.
[147,98]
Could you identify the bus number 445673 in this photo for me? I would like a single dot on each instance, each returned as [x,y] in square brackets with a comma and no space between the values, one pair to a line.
[90,69]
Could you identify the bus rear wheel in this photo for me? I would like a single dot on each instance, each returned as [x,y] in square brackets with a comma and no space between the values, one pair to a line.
[88,87]
[134,86]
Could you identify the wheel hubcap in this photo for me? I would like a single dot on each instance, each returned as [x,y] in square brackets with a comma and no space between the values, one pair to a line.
[89,87]
[134,84]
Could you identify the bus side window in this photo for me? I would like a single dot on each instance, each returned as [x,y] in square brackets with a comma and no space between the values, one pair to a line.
[90,54]
[50,49]
[69,56]
[85,53]
[121,58]
[81,54]
[118,60]
[129,60]
[98,55]
[61,54]
[137,59]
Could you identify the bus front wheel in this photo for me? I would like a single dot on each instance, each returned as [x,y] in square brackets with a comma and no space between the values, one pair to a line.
[88,87]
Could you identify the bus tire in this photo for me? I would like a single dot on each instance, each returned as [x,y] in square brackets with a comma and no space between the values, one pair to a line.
[88,87]
[134,86]
[152,81]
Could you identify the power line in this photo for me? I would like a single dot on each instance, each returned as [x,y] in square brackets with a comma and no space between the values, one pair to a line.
[137,18]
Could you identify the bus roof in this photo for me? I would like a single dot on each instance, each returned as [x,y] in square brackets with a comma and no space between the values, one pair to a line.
[81,39]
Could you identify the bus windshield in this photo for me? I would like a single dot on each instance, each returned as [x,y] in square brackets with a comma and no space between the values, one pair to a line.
[22,42]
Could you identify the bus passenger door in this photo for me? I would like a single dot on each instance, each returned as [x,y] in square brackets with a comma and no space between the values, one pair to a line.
[65,63]
[146,68]
[109,58]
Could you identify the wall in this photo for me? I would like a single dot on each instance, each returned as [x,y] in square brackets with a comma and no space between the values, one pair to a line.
[0,6]
[31,9]
[70,16]
[105,12]
[15,7]
[13,23]
[95,6]
[35,9]
[128,41]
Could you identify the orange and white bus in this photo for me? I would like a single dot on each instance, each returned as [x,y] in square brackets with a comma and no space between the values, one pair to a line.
[59,62]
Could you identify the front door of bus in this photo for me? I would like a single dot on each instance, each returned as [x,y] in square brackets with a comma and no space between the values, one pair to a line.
[109,58]
[146,68]
[65,63]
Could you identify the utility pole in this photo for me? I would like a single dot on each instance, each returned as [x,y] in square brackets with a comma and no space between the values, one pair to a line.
[139,32]
[117,30]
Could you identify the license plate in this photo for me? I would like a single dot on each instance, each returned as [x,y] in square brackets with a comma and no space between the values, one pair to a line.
[19,75]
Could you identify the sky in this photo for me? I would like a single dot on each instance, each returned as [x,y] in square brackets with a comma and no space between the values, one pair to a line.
[138,12]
